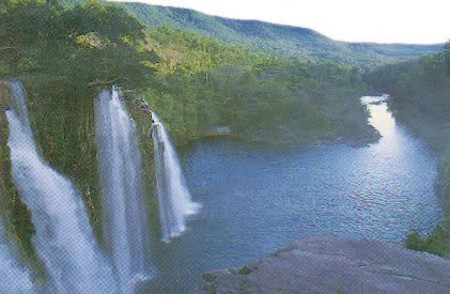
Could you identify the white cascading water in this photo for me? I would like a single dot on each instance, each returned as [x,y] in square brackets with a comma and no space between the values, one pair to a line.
[174,199]
[63,238]
[126,230]
[13,278]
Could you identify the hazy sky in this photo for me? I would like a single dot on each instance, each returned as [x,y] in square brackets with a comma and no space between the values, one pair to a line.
[389,21]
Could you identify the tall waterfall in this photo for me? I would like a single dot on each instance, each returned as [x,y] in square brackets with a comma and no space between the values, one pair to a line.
[173,195]
[126,228]
[13,279]
[63,240]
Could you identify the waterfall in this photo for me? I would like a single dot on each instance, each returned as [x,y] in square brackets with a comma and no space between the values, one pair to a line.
[126,230]
[175,202]
[63,239]
[13,278]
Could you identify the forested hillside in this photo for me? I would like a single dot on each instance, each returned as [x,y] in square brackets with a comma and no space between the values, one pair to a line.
[272,39]
[263,82]
[194,76]
[62,63]
[66,54]
[421,99]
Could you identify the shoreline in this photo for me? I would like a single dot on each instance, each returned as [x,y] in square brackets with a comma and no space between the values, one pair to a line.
[331,265]
[340,140]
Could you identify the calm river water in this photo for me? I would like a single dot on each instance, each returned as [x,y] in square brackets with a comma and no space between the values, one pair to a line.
[257,199]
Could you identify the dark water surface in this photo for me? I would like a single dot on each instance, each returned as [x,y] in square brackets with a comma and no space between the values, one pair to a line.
[257,199]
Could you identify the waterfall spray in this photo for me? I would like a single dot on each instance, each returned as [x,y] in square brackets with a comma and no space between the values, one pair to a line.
[13,278]
[175,202]
[63,240]
[126,230]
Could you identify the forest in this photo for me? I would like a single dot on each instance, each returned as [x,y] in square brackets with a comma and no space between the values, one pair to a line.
[421,88]
[278,40]
[180,72]
[65,54]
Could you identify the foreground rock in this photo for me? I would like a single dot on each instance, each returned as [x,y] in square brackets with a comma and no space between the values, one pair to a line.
[320,265]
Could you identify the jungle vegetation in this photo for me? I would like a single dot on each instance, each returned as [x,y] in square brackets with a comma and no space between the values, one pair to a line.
[262,86]
[65,54]
[421,91]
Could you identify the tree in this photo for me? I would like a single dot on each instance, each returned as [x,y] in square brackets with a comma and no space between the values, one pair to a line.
[35,22]
[108,21]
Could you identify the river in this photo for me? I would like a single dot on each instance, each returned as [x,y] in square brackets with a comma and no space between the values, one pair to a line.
[257,199]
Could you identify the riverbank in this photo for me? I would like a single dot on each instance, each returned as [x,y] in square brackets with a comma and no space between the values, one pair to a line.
[274,195]
[325,265]
[421,89]
[370,137]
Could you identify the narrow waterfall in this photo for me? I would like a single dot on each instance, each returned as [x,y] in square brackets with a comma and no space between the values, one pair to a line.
[126,230]
[13,278]
[175,202]
[63,240]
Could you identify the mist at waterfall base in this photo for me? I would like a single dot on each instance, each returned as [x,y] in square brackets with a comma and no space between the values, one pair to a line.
[125,216]
[13,278]
[257,199]
[63,239]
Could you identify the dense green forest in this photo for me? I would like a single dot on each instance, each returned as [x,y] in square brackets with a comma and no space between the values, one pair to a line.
[203,78]
[421,91]
[276,40]
[243,74]
[66,54]
[60,59]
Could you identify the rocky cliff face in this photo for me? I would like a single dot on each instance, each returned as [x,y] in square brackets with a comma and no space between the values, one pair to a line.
[62,119]
[321,265]
[15,214]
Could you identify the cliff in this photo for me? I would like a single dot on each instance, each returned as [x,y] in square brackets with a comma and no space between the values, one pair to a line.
[62,120]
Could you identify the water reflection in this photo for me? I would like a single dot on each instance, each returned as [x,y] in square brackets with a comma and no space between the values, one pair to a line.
[257,199]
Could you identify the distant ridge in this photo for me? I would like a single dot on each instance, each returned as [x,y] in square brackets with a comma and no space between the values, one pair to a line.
[277,39]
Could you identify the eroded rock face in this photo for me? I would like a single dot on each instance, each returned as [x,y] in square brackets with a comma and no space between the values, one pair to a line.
[322,265]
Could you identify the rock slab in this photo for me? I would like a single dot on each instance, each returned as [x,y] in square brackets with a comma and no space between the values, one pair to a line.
[323,265]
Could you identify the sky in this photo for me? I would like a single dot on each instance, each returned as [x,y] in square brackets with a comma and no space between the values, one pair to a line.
[382,21]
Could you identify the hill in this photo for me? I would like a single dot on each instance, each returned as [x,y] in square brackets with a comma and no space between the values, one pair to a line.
[268,38]
[65,54]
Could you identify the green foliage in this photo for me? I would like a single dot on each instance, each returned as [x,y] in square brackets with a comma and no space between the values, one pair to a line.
[34,22]
[208,277]
[245,270]
[415,242]
[65,54]
[82,44]
[200,83]
[107,21]
[275,40]
[421,92]
[438,242]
